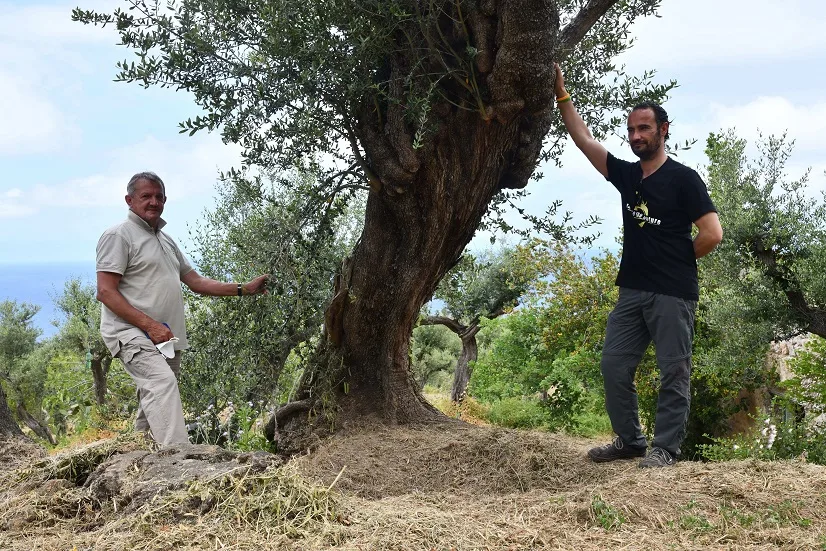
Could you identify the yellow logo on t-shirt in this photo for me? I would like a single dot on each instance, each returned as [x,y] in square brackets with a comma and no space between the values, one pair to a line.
[640,213]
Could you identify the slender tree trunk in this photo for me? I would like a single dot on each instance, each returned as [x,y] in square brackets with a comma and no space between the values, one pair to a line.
[8,426]
[36,426]
[99,380]
[461,376]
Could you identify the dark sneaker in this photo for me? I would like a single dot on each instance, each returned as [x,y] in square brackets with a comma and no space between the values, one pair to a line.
[613,451]
[657,457]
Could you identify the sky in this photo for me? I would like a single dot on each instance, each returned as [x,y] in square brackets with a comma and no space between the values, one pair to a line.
[70,137]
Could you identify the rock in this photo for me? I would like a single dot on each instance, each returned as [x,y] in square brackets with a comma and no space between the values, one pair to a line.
[131,479]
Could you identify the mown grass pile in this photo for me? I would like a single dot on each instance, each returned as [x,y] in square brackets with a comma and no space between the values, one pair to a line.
[443,487]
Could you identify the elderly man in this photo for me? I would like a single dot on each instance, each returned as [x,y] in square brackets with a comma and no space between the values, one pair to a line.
[139,275]
[661,199]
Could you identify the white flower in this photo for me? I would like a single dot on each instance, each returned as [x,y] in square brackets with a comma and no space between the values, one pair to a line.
[764,431]
[772,436]
[249,404]
[226,434]
[209,407]
[736,447]
[766,421]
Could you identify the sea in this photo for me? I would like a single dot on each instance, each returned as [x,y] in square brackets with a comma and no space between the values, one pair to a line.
[40,284]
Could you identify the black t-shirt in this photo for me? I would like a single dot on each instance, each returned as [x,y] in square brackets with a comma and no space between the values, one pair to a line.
[657,213]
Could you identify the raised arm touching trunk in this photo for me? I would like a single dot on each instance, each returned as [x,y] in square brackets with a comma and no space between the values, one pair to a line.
[582,137]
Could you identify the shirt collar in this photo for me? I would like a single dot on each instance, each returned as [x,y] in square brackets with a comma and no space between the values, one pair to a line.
[135,219]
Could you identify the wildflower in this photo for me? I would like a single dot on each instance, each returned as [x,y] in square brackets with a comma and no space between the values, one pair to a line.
[766,421]
[226,434]
[772,436]
[764,431]
[249,404]
[736,447]
[209,407]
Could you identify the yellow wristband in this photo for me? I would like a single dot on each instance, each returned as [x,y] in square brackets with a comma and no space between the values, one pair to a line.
[566,97]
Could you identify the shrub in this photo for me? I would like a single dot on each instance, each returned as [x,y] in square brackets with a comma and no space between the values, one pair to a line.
[518,413]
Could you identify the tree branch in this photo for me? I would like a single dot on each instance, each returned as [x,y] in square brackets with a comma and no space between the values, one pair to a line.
[582,23]
[814,319]
[450,323]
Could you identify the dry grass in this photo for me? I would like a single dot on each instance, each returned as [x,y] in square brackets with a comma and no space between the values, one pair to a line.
[442,488]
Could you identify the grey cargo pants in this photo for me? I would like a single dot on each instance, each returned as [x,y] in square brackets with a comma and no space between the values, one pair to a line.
[159,400]
[638,318]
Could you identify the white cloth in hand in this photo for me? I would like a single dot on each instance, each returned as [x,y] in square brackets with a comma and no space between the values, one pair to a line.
[168,348]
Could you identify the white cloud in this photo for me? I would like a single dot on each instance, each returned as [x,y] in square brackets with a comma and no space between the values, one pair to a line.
[714,32]
[188,166]
[29,122]
[806,124]
[45,24]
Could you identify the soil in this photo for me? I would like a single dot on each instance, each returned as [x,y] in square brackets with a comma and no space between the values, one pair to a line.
[436,487]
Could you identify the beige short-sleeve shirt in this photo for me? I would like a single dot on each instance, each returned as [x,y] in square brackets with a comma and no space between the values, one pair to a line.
[152,266]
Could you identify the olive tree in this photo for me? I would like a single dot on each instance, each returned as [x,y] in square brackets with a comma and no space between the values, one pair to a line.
[484,286]
[769,268]
[440,110]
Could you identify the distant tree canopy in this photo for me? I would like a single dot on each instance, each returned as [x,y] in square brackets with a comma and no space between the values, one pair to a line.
[22,370]
[80,331]
[769,270]
[441,109]
[484,286]
[239,348]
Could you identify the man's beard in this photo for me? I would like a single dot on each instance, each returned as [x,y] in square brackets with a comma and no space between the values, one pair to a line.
[649,149]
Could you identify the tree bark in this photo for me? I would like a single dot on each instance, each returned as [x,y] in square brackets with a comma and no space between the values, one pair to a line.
[36,426]
[461,377]
[8,426]
[99,373]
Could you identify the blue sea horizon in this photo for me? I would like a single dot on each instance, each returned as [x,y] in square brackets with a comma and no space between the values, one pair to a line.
[38,283]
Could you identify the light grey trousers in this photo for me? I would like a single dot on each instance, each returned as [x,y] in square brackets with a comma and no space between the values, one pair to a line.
[159,400]
[638,318]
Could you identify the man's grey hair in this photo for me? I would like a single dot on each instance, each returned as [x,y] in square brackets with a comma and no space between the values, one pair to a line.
[151,176]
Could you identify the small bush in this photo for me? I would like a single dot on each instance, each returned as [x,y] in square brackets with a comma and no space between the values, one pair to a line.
[518,413]
[468,410]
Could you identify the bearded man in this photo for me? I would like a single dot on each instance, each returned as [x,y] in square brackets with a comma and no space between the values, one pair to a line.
[658,294]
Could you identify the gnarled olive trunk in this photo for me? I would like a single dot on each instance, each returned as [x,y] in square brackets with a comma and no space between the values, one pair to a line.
[427,201]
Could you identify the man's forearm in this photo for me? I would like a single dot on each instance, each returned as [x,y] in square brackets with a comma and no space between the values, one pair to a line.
[574,124]
[210,287]
[704,243]
[118,304]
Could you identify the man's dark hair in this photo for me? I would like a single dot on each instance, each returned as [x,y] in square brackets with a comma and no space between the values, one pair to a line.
[659,113]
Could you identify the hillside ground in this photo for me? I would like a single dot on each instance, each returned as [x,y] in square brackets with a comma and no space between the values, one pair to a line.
[440,487]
